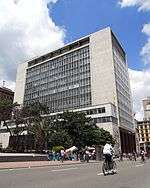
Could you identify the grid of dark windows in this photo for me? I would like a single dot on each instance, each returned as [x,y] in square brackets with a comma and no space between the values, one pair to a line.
[95,111]
[105,119]
[144,130]
[60,51]
[61,83]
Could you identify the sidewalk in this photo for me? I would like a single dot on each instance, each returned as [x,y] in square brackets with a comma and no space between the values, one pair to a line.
[32,164]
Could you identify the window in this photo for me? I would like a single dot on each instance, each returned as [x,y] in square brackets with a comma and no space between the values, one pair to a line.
[101,110]
[91,111]
[141,126]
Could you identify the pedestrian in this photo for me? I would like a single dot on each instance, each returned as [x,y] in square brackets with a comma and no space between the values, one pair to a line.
[130,156]
[54,155]
[134,155]
[121,156]
[81,156]
[50,155]
[62,155]
[142,153]
[87,153]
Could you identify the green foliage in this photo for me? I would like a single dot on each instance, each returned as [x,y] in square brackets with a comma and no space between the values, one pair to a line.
[106,136]
[6,107]
[57,148]
[60,138]
[77,125]
[100,137]
[82,131]
[34,111]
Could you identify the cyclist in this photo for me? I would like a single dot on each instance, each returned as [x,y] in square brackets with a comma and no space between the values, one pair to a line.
[108,152]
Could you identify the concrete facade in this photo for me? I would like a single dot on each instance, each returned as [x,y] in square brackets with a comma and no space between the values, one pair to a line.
[20,83]
[103,86]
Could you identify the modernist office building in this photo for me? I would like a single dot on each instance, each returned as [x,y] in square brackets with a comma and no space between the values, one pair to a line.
[84,74]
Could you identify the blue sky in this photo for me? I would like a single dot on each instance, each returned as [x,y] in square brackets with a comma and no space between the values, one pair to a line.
[81,17]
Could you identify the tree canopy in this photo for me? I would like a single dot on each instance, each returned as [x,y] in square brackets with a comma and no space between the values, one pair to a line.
[82,130]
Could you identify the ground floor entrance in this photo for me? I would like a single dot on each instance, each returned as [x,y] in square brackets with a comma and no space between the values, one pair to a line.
[128,142]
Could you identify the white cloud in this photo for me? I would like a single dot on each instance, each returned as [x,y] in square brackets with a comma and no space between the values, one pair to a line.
[126,3]
[140,80]
[145,6]
[140,88]
[146,29]
[141,4]
[145,52]
[26,30]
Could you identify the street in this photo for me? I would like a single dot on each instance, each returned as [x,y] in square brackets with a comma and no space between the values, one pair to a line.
[130,175]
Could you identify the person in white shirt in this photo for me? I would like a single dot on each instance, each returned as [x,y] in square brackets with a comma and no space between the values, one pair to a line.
[108,152]
[62,154]
[143,155]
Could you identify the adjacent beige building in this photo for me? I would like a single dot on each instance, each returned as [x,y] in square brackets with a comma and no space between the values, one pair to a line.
[144,135]
[146,107]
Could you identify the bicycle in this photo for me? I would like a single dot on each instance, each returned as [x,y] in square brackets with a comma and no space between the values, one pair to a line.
[106,170]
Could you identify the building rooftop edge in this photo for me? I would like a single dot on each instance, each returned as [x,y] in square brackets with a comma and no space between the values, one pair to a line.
[70,43]
[6,89]
[143,121]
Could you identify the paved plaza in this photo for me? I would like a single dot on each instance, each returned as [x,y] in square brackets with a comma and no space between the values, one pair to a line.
[130,174]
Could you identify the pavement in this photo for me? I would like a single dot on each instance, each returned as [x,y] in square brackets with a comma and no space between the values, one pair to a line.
[130,174]
[32,164]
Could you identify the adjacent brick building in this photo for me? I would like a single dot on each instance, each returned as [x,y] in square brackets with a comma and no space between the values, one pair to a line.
[8,95]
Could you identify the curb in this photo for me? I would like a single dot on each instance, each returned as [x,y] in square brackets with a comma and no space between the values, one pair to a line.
[48,165]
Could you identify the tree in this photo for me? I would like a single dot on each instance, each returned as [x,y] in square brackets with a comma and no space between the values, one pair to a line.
[37,124]
[100,137]
[74,124]
[82,130]
[11,113]
[6,108]
[29,119]
[60,138]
